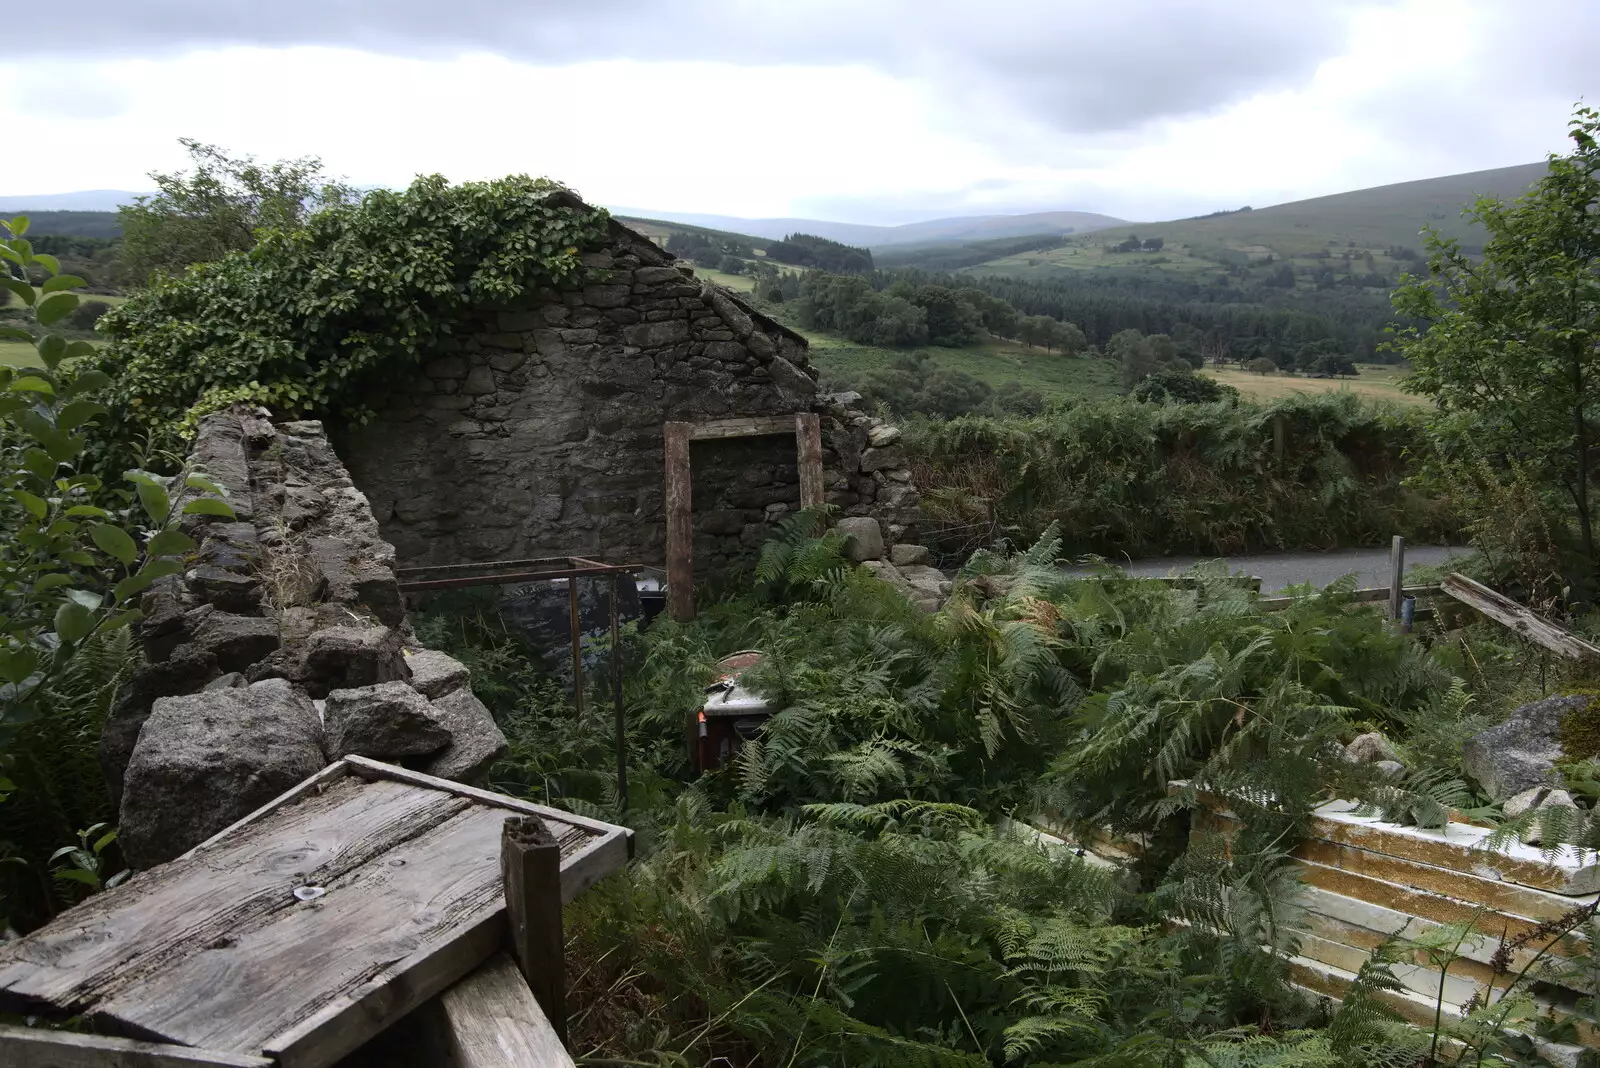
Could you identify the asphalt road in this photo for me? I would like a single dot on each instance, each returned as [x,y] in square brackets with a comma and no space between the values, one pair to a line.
[1277,570]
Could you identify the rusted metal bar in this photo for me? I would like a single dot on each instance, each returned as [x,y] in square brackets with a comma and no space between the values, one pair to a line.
[457,582]
[577,645]
[534,561]
[616,697]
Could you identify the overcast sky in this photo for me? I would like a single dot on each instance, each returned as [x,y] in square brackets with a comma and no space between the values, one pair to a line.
[853,110]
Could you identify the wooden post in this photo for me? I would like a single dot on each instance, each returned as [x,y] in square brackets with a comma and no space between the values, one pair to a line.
[680,522]
[1397,570]
[530,864]
[808,440]
[1280,437]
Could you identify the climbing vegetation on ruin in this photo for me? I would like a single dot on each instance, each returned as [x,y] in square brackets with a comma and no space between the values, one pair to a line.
[313,320]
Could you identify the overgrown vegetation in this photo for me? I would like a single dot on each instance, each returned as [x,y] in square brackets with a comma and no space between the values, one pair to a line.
[850,890]
[1139,479]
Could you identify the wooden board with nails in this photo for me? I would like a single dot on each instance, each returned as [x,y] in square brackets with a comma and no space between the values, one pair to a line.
[400,895]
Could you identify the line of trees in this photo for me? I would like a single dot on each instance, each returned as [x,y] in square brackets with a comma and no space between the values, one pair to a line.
[819,253]
[904,314]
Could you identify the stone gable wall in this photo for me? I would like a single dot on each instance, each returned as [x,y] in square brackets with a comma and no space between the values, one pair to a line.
[541,433]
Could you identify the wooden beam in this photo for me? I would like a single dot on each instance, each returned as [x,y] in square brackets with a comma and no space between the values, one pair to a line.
[808,441]
[369,769]
[491,1019]
[680,522]
[530,863]
[741,427]
[345,1024]
[1504,610]
[27,1047]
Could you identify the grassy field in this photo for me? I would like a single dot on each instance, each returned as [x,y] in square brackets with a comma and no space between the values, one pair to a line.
[739,283]
[1056,377]
[18,354]
[1376,382]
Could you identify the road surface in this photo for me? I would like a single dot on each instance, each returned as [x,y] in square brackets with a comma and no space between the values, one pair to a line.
[1277,570]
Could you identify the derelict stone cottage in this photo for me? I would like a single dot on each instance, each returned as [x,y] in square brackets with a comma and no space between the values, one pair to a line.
[541,433]
[544,433]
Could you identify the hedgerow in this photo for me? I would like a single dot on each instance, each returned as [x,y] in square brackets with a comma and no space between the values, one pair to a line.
[1120,477]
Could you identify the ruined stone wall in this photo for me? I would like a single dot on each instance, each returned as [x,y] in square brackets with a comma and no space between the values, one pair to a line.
[283,646]
[540,434]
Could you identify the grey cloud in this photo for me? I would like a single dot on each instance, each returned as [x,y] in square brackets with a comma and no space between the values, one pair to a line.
[1068,65]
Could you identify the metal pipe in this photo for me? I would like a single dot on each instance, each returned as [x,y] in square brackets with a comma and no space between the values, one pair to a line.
[463,581]
[577,645]
[616,697]
[532,561]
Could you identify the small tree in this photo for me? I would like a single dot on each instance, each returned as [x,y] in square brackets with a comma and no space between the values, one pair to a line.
[1511,350]
[216,208]
[1261,366]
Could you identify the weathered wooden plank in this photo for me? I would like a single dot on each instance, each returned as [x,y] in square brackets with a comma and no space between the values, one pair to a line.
[491,1019]
[1505,611]
[808,438]
[114,940]
[741,427]
[346,1023]
[530,864]
[680,522]
[260,982]
[26,1047]
[371,769]
[590,849]
[317,784]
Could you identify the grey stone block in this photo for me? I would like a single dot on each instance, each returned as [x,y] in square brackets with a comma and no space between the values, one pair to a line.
[475,741]
[1522,752]
[905,554]
[866,538]
[205,760]
[434,674]
[384,721]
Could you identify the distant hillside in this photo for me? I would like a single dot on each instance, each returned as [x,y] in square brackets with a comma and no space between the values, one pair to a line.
[102,224]
[965,228]
[1369,232]
[86,200]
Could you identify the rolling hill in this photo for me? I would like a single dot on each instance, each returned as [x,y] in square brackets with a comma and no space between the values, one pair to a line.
[1382,222]
[962,228]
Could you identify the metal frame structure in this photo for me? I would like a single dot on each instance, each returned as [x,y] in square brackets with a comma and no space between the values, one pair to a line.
[546,569]
[807,430]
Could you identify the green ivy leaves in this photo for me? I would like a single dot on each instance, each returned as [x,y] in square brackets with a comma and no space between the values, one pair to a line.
[316,321]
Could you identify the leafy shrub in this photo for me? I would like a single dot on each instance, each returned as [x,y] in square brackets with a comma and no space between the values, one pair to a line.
[86,315]
[1179,385]
[76,556]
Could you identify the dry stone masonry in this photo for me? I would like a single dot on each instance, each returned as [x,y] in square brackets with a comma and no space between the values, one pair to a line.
[282,647]
[540,433]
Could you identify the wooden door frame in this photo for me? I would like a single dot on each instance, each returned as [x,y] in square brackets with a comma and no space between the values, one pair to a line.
[807,430]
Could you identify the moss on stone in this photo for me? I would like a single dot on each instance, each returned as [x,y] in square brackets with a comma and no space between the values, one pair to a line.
[1579,731]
